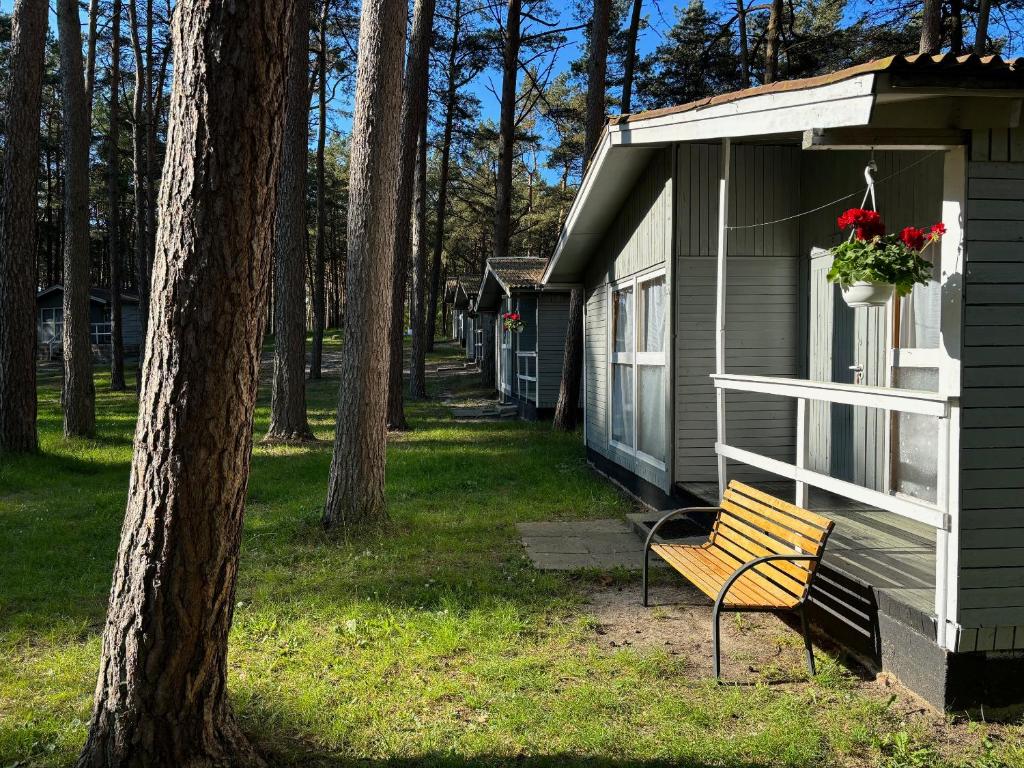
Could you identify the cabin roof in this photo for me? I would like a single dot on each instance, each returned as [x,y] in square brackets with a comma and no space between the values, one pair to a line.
[507,274]
[916,95]
[464,288]
[96,295]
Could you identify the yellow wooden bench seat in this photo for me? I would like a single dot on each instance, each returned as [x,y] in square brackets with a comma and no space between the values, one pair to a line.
[761,556]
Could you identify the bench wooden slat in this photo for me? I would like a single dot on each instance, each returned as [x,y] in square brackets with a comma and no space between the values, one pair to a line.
[739,534]
[792,509]
[808,538]
[708,574]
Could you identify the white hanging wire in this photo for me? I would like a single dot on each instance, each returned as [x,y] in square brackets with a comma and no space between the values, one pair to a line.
[867,191]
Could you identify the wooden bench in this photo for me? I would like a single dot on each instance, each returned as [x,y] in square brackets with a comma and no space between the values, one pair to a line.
[761,556]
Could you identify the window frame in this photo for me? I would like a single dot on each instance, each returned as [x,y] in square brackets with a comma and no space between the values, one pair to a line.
[635,359]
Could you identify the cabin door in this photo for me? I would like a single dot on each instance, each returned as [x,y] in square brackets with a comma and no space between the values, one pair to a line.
[847,346]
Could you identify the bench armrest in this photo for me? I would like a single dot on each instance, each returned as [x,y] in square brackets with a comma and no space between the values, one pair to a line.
[755,562]
[669,515]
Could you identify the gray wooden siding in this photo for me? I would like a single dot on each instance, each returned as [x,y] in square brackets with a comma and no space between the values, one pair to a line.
[761,339]
[470,336]
[991,579]
[552,322]
[637,240]
[762,305]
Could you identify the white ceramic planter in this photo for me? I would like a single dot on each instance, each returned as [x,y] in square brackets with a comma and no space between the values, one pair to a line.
[864,294]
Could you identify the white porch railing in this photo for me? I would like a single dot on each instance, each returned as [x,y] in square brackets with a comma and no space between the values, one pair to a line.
[943,407]
[526,374]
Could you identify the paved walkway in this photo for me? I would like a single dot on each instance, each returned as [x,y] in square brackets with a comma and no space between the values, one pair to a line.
[568,546]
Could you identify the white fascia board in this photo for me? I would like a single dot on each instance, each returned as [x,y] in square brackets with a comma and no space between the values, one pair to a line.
[846,103]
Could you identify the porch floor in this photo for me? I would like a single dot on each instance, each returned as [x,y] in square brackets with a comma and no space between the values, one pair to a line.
[891,555]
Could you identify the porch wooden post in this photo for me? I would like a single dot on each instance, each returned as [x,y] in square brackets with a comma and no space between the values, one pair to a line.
[947,540]
[723,247]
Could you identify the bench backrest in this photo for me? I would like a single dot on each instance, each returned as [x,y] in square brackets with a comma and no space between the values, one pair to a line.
[753,524]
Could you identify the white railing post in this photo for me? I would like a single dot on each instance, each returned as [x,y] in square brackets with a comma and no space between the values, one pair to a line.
[802,432]
[942,534]
[720,295]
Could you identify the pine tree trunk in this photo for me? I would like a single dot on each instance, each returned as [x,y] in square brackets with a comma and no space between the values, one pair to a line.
[417,304]
[956,27]
[139,184]
[444,172]
[568,405]
[597,67]
[18,229]
[319,307]
[161,696]
[78,397]
[114,202]
[90,54]
[629,65]
[414,115]
[931,27]
[507,131]
[288,419]
[981,35]
[572,358]
[771,43]
[741,23]
[355,492]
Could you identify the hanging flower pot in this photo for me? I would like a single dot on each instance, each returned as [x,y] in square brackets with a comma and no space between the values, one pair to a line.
[512,322]
[872,265]
[865,294]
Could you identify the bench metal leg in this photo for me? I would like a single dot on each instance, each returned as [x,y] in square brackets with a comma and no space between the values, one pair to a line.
[716,639]
[647,555]
[807,640]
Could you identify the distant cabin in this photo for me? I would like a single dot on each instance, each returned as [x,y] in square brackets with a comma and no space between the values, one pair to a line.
[50,320]
[528,362]
[461,293]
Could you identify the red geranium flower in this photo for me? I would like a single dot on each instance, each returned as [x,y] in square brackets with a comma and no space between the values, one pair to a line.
[867,224]
[913,238]
[938,230]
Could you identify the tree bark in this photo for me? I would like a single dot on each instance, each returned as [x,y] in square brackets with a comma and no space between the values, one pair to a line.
[443,174]
[931,27]
[981,36]
[414,115]
[355,492]
[567,407]
[629,65]
[597,67]
[572,358]
[18,229]
[140,182]
[114,202]
[507,131]
[78,398]
[90,55]
[417,305]
[319,305]
[288,419]
[487,369]
[161,695]
[771,42]
[956,27]
[741,25]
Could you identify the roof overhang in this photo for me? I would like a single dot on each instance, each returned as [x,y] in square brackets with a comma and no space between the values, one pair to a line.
[492,289]
[784,111]
[627,145]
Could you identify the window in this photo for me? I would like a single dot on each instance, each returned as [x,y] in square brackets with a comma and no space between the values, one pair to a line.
[638,367]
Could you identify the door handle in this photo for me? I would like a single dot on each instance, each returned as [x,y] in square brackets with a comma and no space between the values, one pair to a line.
[858,372]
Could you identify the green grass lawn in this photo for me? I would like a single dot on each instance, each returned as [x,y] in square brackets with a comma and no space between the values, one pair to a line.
[434,643]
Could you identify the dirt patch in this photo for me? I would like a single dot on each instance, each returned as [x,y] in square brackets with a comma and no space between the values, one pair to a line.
[756,647]
[762,648]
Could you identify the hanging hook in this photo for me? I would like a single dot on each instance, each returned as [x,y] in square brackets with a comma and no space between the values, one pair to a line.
[870,169]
